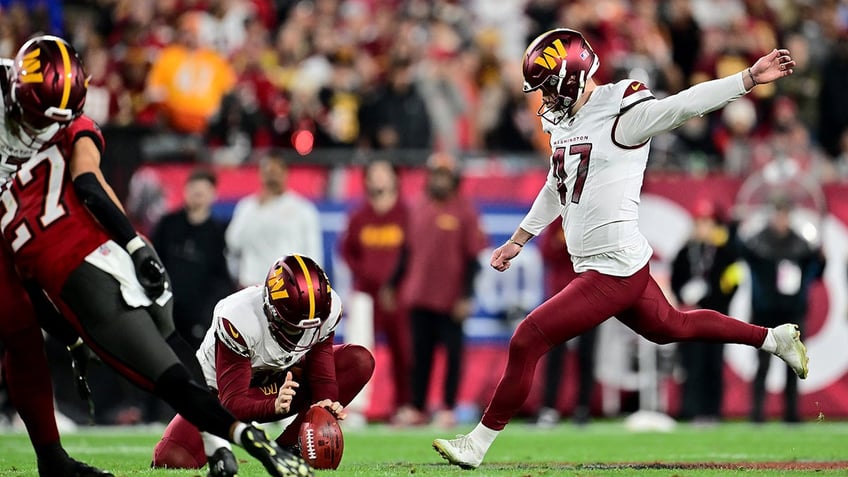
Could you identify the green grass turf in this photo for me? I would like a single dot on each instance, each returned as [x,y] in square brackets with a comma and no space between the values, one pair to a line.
[600,449]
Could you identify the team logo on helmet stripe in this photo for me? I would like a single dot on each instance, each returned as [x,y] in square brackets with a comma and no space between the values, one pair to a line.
[275,282]
[31,67]
[550,55]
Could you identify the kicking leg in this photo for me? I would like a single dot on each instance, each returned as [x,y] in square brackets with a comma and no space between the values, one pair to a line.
[587,301]
[655,319]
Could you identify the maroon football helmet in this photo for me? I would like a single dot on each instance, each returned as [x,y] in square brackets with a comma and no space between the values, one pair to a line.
[297,299]
[558,62]
[48,84]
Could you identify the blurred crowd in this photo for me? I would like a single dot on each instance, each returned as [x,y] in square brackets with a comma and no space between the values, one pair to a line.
[445,74]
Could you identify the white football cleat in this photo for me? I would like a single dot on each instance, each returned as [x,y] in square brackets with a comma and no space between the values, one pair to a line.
[461,451]
[790,348]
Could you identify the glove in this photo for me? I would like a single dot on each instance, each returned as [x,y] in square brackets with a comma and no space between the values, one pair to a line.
[149,270]
[81,355]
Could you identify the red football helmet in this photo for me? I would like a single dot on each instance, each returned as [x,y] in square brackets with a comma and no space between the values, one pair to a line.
[297,299]
[559,62]
[48,84]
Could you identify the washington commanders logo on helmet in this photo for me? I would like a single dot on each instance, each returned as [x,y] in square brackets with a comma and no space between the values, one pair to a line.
[559,63]
[552,55]
[48,84]
[297,298]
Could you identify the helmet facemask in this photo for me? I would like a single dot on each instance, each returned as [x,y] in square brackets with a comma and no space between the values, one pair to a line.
[287,334]
[33,128]
[557,106]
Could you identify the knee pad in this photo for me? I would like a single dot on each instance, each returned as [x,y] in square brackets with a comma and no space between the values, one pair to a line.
[358,360]
[170,454]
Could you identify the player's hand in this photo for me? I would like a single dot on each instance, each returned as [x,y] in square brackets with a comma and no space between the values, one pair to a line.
[282,404]
[773,66]
[503,254]
[387,298]
[461,309]
[149,270]
[80,357]
[333,406]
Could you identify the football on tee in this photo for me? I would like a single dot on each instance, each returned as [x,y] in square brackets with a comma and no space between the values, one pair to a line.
[321,441]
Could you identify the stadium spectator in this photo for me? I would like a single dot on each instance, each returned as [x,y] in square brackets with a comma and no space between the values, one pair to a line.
[371,245]
[441,87]
[803,87]
[274,222]
[833,98]
[503,119]
[269,354]
[438,272]
[704,275]
[101,103]
[188,80]
[558,273]
[612,123]
[685,36]
[249,113]
[191,245]
[396,116]
[741,150]
[783,266]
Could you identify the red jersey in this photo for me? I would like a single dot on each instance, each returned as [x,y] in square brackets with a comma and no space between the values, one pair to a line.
[43,222]
[443,238]
[372,244]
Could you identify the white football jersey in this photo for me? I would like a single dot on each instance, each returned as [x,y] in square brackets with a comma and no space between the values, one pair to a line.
[239,322]
[598,182]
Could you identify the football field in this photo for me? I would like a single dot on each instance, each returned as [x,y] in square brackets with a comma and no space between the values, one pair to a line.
[605,448]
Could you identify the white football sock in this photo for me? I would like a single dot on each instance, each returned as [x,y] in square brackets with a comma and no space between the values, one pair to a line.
[769,344]
[483,436]
[240,427]
[211,443]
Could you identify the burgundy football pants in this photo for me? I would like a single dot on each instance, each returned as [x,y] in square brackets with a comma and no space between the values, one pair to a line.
[586,302]
[182,448]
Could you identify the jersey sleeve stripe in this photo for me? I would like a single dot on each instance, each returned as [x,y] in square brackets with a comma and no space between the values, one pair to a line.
[632,100]
[623,146]
[93,136]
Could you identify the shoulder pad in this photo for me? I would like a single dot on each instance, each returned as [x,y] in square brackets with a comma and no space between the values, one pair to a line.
[634,93]
[232,338]
[83,126]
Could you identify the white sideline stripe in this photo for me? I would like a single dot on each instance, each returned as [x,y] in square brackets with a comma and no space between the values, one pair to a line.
[81,448]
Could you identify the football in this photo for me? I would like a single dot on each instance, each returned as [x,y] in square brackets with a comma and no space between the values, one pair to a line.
[321,440]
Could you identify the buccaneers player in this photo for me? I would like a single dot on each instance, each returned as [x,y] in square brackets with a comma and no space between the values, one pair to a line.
[270,355]
[66,230]
[28,377]
[600,136]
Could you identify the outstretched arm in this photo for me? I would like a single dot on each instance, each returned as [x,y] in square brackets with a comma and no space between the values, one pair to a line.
[648,118]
